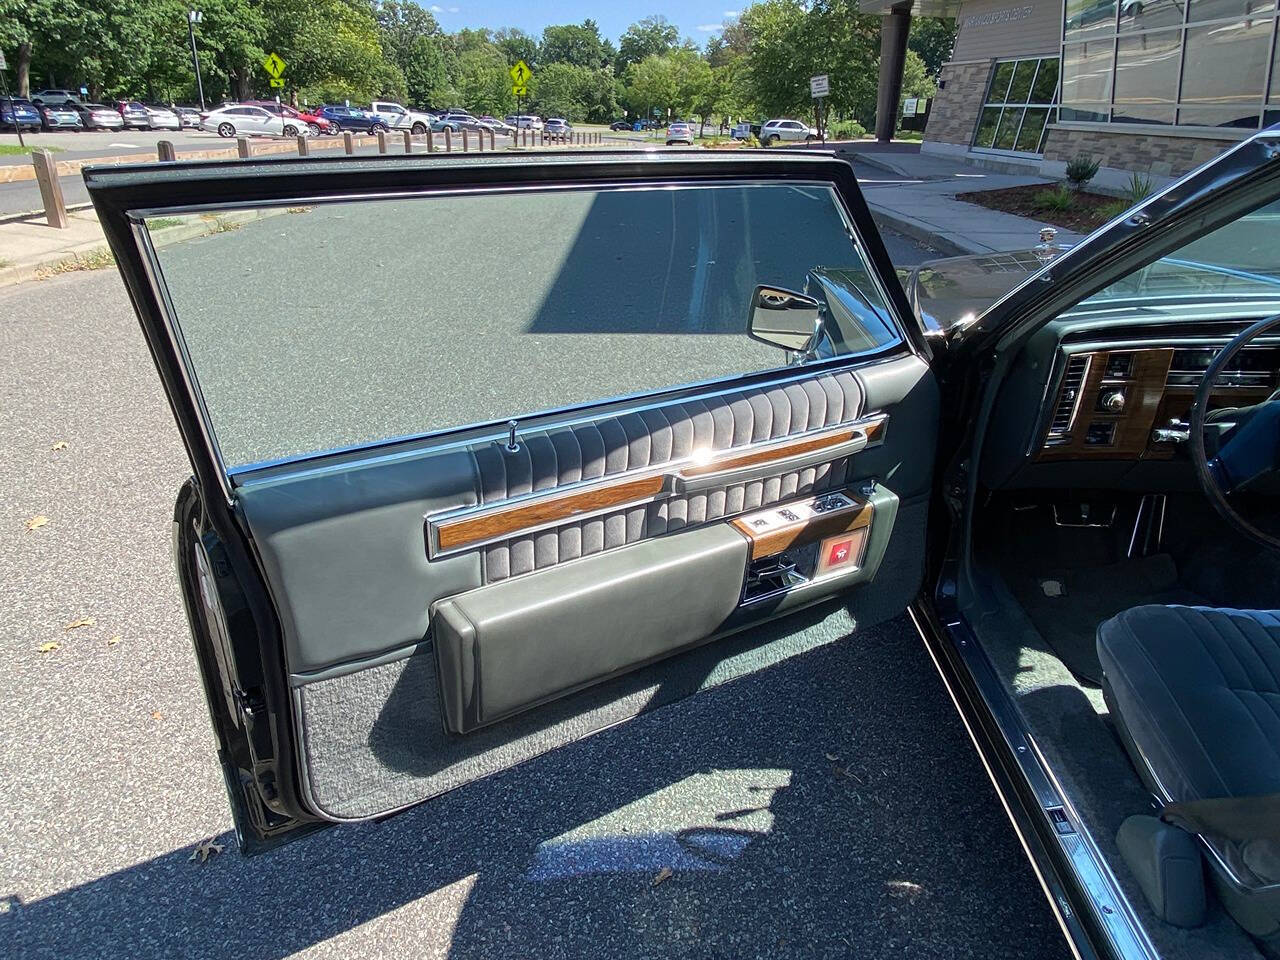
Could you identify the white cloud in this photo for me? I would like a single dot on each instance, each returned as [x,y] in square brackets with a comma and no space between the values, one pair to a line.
[732,13]
[453,9]
[709,27]
[436,8]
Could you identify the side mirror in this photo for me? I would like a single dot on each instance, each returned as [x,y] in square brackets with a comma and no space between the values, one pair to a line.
[784,318]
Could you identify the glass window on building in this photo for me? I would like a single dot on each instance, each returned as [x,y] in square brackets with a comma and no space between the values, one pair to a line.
[1020,105]
[1199,63]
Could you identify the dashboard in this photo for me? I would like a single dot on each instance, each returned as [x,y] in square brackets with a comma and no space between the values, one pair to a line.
[1108,404]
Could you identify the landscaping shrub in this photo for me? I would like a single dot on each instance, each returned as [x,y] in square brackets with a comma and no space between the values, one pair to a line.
[750,140]
[847,130]
[1059,198]
[1138,188]
[1081,169]
[1109,211]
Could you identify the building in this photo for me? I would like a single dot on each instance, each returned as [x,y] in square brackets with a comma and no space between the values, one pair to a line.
[1154,86]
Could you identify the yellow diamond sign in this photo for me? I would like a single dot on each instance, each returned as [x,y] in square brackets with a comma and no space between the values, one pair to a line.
[274,65]
[520,74]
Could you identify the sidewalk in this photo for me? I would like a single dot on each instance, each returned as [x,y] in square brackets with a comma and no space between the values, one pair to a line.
[31,248]
[925,200]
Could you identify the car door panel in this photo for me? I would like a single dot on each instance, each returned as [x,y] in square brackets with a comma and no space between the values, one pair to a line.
[441,606]
[406,629]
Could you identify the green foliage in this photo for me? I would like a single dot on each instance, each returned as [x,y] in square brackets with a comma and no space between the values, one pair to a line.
[515,45]
[1081,169]
[846,130]
[413,42]
[931,39]
[579,46]
[1138,188]
[750,140]
[650,37]
[1059,198]
[916,81]
[1110,210]
[575,93]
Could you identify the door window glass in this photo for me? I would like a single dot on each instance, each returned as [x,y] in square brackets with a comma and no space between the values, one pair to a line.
[306,328]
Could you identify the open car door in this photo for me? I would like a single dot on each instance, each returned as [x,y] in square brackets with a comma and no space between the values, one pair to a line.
[487,458]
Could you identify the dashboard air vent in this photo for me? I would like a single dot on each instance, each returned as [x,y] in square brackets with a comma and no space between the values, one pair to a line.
[1064,413]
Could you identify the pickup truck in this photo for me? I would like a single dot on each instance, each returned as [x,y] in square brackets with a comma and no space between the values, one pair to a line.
[398,117]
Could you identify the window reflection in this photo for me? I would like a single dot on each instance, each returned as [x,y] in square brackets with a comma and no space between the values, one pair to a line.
[1019,105]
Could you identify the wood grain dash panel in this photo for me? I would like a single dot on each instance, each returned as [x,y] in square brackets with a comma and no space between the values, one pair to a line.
[773,452]
[775,541]
[551,509]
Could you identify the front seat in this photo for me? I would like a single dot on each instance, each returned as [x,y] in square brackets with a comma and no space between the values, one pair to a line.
[1195,695]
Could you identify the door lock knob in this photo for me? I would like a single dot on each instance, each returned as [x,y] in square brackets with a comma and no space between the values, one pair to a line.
[1112,401]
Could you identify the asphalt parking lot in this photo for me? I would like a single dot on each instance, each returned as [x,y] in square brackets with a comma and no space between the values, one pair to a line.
[110,779]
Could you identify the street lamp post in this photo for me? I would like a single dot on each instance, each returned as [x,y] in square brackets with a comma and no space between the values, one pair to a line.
[194,17]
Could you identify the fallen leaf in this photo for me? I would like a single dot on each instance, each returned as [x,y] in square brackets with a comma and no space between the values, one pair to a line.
[81,622]
[114,640]
[663,875]
[36,522]
[846,772]
[205,849]
[157,715]
[831,756]
[49,647]
[904,889]
[60,445]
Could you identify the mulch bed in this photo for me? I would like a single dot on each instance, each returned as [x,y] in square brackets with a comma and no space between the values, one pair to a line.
[1084,217]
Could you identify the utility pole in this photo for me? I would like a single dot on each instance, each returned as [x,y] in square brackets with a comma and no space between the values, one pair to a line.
[194,17]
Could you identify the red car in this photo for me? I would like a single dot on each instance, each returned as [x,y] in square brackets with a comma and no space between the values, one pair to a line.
[316,124]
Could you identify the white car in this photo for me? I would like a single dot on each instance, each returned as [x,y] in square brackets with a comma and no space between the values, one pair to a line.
[529,123]
[241,119]
[161,117]
[398,117]
[776,130]
[680,133]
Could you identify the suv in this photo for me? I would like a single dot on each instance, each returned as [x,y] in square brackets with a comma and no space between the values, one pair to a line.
[16,112]
[54,98]
[776,130]
[401,118]
[342,118]
[527,122]
[134,114]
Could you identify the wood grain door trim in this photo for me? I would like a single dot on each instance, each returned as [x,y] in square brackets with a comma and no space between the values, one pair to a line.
[466,528]
[775,541]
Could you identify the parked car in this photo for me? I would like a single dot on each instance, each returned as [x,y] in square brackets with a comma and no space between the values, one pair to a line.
[776,130]
[458,121]
[98,116]
[680,133]
[294,120]
[188,116]
[497,126]
[557,127]
[134,114]
[60,116]
[55,97]
[341,118]
[16,113]
[620,125]
[245,119]
[644,124]
[399,117]
[1004,480]
[161,117]
[529,122]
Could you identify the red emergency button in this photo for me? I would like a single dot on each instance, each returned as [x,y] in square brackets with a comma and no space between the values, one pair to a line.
[841,551]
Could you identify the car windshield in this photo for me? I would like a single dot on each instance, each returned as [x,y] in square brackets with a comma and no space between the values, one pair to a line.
[653,284]
[1236,261]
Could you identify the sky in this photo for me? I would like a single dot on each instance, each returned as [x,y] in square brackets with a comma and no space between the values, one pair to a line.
[698,19]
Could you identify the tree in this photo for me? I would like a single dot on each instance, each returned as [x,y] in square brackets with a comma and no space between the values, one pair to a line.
[575,93]
[412,41]
[932,38]
[916,81]
[515,45]
[651,36]
[481,81]
[579,45]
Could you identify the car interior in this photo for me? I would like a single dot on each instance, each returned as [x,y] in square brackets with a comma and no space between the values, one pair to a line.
[417,552]
[1131,620]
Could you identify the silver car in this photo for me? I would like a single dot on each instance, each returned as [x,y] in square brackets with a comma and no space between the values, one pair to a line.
[162,117]
[98,116]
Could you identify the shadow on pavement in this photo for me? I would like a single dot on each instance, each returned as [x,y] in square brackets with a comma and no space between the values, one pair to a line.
[829,806]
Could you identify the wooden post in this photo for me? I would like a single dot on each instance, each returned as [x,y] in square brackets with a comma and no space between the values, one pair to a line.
[382,141]
[431,142]
[448,140]
[55,208]
[242,147]
[164,150]
[480,140]
[304,148]
[348,142]
[464,140]
[515,138]
[408,142]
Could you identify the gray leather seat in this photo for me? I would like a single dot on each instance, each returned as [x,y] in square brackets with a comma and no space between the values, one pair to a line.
[1195,695]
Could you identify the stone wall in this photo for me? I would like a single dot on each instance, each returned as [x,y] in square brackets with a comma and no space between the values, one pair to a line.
[953,115]
[1162,156]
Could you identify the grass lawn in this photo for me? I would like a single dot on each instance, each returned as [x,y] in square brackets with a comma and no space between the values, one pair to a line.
[13,150]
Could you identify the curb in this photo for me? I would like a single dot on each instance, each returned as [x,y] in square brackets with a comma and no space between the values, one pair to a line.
[22,272]
[946,244]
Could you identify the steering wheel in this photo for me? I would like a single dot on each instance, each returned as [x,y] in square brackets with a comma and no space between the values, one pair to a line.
[1249,451]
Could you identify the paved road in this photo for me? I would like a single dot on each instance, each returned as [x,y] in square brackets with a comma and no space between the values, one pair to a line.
[107,774]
